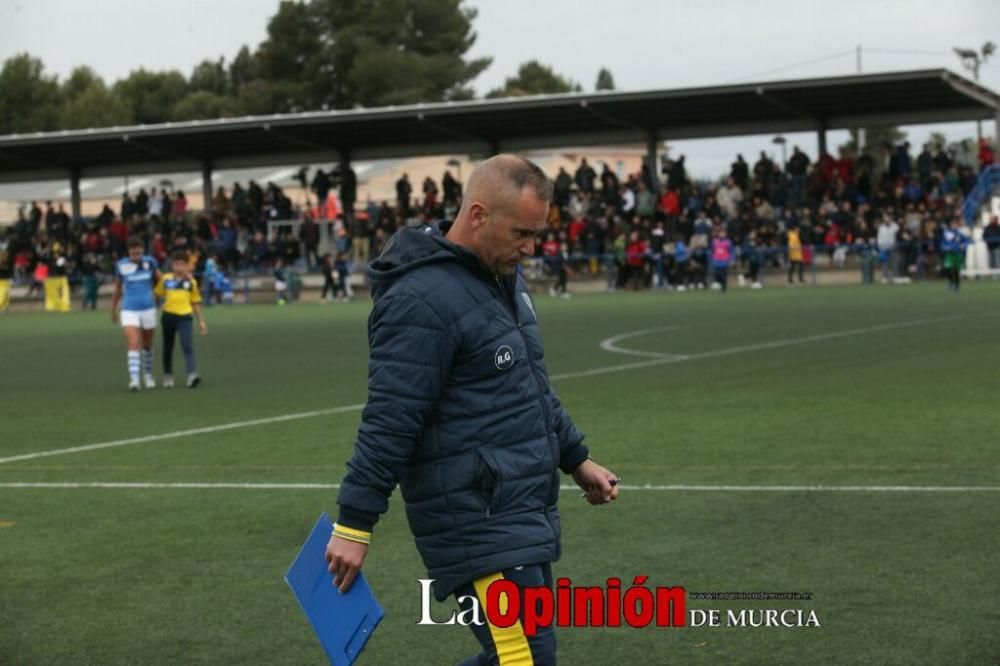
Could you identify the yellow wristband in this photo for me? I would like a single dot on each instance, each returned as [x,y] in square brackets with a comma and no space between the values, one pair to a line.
[351,534]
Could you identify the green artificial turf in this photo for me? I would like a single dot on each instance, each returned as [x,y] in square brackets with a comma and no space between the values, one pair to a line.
[840,386]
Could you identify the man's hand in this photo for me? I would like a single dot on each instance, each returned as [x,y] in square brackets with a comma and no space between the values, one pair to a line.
[596,481]
[345,558]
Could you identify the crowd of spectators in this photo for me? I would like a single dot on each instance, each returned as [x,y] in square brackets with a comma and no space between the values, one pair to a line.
[643,230]
[886,210]
[49,242]
[240,230]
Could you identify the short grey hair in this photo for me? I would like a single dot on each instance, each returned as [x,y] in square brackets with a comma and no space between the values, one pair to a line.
[513,171]
[525,173]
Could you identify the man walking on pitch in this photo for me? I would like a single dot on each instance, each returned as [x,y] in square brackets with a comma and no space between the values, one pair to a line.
[460,410]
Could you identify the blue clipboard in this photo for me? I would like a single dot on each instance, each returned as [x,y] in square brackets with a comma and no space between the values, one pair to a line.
[342,622]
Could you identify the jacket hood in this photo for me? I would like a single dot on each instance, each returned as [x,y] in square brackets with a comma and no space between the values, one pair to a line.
[413,247]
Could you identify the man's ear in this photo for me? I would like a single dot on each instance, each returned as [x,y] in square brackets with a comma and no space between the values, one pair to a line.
[479,215]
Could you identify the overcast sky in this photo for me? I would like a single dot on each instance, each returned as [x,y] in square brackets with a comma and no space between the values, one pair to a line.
[644,43]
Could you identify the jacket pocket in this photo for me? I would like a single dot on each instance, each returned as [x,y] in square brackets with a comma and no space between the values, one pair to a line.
[489,479]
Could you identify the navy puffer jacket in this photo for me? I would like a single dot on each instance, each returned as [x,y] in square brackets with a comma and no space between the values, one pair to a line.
[460,414]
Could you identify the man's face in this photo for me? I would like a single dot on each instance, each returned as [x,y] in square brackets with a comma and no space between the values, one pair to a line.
[508,236]
[135,254]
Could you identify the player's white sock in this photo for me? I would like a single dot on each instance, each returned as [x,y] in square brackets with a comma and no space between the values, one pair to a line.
[133,366]
[147,362]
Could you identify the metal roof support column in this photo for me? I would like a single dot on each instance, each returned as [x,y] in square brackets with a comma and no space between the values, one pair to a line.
[206,185]
[996,136]
[74,189]
[652,159]
[821,139]
[345,162]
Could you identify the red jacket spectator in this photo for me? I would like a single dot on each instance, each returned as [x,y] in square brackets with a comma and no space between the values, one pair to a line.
[670,203]
[92,242]
[826,165]
[119,230]
[41,272]
[576,227]
[845,167]
[326,210]
[986,156]
[159,249]
[22,260]
[635,253]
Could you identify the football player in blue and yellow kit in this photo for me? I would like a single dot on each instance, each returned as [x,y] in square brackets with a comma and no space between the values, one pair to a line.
[181,300]
[136,274]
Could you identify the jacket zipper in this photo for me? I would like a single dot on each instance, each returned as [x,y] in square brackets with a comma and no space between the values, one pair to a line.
[512,304]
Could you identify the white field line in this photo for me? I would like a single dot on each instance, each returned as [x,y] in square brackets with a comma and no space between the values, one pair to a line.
[607,345]
[629,488]
[610,344]
[182,433]
[760,346]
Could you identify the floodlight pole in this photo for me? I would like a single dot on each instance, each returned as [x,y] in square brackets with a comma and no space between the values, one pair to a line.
[971,61]
[979,123]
